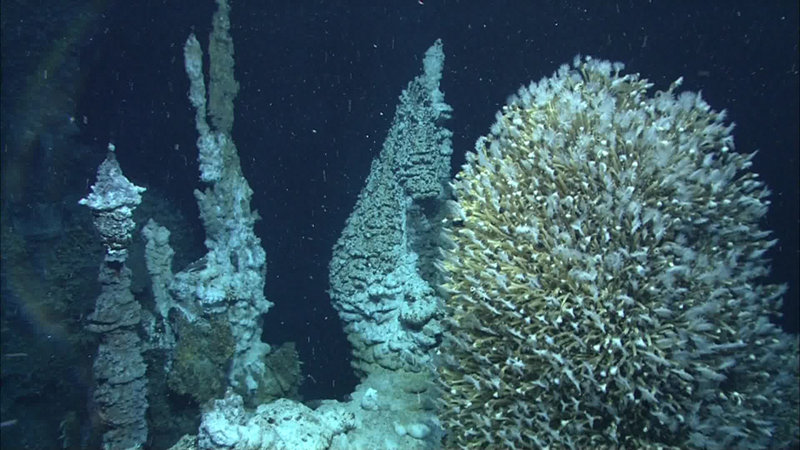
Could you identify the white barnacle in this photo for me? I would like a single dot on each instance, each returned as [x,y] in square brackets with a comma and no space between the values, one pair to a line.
[572,378]
[656,358]
[475,383]
[709,373]
[491,308]
[515,333]
[649,396]
[541,319]
[623,382]
[508,304]
[663,312]
[501,279]
[503,256]
[516,365]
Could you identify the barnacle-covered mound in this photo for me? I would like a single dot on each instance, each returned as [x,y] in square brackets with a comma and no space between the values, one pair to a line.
[605,278]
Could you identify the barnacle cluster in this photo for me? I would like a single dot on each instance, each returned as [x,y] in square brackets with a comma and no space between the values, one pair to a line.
[604,265]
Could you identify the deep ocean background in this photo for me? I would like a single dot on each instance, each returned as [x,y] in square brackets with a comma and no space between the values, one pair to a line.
[319,81]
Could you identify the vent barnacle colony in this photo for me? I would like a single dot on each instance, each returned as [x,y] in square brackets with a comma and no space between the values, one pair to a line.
[602,270]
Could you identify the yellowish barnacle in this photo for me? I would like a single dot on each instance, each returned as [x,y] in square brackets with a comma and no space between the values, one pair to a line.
[566,184]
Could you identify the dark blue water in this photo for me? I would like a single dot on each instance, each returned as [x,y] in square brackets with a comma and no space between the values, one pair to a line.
[319,83]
